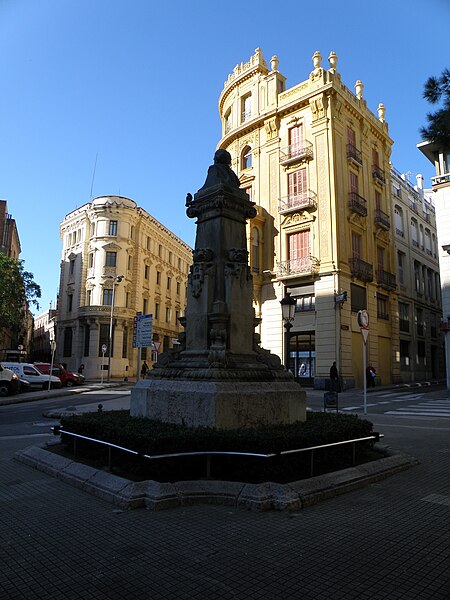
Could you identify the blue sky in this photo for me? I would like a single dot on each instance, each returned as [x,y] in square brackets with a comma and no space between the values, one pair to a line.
[136,83]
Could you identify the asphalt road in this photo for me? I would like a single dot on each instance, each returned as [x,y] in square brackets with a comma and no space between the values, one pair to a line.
[24,424]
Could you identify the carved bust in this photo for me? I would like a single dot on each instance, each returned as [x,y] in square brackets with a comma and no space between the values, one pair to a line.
[220,172]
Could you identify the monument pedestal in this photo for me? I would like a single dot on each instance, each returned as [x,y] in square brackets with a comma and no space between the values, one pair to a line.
[219,376]
[221,404]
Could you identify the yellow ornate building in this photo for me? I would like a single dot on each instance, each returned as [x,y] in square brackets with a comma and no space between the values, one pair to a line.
[315,160]
[117,261]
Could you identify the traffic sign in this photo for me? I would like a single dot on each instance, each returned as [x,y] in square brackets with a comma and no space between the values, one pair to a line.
[365,334]
[143,331]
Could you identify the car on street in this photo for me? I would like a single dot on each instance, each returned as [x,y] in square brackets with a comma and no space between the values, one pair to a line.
[67,378]
[9,382]
[29,372]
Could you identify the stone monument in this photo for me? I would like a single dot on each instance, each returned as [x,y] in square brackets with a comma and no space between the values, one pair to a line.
[218,375]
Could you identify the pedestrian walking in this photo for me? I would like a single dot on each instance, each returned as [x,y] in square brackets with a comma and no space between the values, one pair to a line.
[370,376]
[334,378]
[81,369]
[144,369]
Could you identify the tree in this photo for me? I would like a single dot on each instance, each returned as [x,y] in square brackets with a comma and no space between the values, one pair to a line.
[17,291]
[437,89]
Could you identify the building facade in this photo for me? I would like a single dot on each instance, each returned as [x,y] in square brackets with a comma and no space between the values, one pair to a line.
[117,261]
[419,298]
[441,194]
[11,339]
[316,161]
[43,334]
[9,240]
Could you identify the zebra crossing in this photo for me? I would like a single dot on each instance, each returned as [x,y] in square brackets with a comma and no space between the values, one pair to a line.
[412,405]
[437,407]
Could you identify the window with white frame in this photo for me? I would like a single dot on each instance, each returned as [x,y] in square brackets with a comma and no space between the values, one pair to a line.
[111,259]
[246,108]
[112,228]
[246,161]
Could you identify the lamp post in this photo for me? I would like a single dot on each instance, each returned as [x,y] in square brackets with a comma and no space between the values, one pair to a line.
[288,313]
[116,279]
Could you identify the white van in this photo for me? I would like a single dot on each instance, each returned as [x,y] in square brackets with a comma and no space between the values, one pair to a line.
[29,372]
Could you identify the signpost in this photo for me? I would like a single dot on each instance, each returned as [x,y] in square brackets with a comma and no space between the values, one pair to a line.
[142,335]
[363,322]
[104,348]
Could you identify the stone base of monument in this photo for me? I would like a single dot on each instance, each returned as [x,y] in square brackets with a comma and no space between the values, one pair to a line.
[220,404]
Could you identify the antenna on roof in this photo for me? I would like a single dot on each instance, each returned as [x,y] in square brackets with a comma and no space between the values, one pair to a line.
[93,174]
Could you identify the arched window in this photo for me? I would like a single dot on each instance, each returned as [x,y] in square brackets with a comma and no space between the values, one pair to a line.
[246,158]
[255,251]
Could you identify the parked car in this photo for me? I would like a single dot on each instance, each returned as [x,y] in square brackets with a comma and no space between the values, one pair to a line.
[67,378]
[29,372]
[9,382]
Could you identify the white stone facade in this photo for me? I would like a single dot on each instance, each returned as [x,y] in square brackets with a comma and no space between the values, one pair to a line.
[441,193]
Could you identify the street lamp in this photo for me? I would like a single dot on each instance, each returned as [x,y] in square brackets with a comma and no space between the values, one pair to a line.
[288,313]
[116,279]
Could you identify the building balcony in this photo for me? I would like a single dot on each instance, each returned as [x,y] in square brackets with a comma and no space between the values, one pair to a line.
[444,178]
[361,269]
[354,154]
[386,280]
[296,153]
[378,174]
[104,310]
[382,219]
[305,265]
[357,204]
[307,200]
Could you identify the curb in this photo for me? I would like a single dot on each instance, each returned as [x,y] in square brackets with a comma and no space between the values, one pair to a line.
[154,495]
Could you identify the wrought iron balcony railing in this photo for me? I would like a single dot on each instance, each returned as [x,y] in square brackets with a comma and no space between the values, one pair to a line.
[378,174]
[296,152]
[382,219]
[354,154]
[361,269]
[357,204]
[304,265]
[307,200]
[386,280]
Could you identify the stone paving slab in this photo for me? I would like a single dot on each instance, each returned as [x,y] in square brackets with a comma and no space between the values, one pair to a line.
[262,497]
[385,541]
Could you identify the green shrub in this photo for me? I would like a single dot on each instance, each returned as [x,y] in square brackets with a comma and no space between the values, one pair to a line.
[154,437]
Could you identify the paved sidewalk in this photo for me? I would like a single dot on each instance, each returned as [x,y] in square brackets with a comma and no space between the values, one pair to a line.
[389,541]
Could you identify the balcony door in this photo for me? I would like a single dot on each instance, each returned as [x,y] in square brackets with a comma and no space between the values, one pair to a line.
[299,251]
[297,187]
[296,140]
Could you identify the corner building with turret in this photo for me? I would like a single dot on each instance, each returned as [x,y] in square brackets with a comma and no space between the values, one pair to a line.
[316,161]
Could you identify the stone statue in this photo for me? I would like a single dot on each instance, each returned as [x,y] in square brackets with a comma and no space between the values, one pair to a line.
[221,172]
